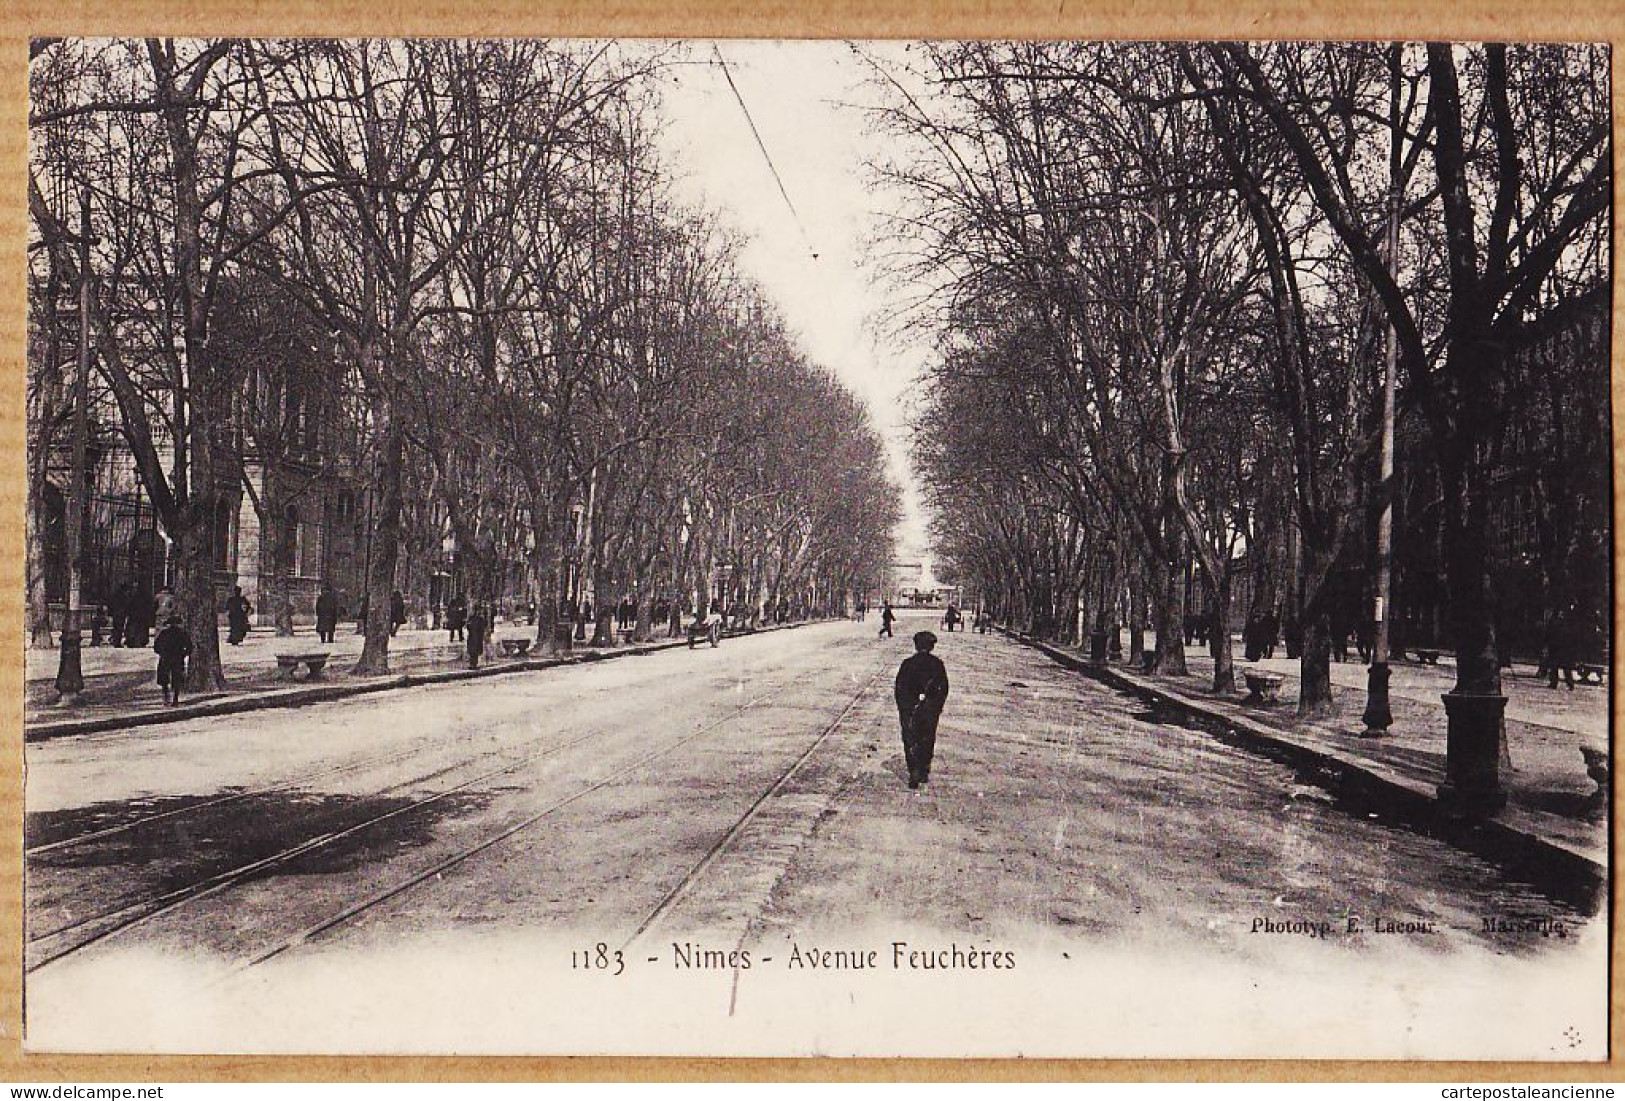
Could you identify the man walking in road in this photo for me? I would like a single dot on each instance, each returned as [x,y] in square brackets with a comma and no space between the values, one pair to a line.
[921,690]
[886,618]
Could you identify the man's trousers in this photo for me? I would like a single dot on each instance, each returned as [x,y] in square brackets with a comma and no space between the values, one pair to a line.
[919,740]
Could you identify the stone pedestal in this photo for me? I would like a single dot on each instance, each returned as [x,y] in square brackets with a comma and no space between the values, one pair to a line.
[1472,788]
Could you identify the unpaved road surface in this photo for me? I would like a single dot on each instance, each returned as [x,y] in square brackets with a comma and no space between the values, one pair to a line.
[714,851]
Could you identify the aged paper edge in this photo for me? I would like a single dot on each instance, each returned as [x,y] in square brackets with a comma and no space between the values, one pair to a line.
[1544,20]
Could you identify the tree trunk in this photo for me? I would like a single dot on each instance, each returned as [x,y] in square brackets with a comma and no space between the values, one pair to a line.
[1224,658]
[194,593]
[284,614]
[1313,595]
[549,586]
[643,624]
[385,546]
[273,595]
[194,542]
[39,609]
[1315,664]
[1170,617]
[1467,573]
[1466,558]
[603,605]
[1136,615]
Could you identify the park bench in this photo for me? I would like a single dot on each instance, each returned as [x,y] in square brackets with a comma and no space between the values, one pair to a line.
[1263,687]
[515,647]
[1427,657]
[288,664]
[1590,674]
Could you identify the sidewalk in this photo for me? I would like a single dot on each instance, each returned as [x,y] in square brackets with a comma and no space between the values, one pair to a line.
[121,688]
[1551,799]
[260,648]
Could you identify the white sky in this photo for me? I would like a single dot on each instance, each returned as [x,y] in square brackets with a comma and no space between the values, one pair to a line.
[799,94]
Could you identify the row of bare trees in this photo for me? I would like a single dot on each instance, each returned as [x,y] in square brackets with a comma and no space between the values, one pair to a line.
[460,263]
[1166,281]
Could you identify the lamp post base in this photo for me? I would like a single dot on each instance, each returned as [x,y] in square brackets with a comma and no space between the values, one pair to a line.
[1097,647]
[1378,717]
[1472,788]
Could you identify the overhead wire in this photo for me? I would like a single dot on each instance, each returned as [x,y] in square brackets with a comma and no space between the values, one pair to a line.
[795,215]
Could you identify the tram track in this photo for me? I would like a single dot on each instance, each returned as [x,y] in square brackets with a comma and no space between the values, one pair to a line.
[667,902]
[215,803]
[131,916]
[135,913]
[309,778]
[694,874]
[309,844]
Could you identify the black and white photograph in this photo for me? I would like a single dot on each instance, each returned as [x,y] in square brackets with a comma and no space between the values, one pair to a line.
[773,548]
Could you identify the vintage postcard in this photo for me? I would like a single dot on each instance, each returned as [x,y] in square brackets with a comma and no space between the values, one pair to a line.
[754,547]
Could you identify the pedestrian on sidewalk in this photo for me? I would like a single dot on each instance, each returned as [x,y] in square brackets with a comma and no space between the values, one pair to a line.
[327,612]
[887,616]
[397,611]
[118,609]
[237,609]
[173,646]
[456,618]
[921,690]
[477,625]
